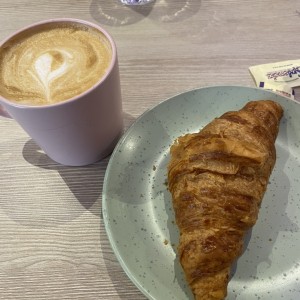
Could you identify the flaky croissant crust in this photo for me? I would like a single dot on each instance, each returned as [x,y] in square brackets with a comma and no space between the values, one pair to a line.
[217,178]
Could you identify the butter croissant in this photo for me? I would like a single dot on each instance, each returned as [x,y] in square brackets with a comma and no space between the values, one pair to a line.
[217,178]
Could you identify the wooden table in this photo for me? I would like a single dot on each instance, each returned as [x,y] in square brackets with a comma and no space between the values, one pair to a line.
[53,244]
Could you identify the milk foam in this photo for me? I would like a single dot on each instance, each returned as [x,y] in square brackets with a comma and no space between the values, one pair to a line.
[44,73]
[53,65]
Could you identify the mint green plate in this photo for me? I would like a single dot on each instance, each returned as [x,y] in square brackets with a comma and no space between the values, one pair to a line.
[139,218]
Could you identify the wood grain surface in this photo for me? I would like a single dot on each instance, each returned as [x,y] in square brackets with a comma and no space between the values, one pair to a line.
[53,244]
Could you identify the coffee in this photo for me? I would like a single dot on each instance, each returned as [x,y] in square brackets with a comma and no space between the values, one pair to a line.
[53,63]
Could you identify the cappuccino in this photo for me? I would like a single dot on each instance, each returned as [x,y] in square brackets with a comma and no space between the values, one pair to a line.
[53,63]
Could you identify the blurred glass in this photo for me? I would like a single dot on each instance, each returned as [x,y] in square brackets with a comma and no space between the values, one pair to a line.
[136,2]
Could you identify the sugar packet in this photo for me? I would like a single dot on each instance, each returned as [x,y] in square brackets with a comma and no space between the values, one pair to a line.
[280,77]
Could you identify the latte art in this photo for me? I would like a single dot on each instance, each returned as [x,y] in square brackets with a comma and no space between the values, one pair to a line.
[53,64]
[44,73]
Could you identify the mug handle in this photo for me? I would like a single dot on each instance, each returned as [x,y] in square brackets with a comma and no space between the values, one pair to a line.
[4,113]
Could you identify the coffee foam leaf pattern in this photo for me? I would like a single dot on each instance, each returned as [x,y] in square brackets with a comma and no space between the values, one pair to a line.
[53,65]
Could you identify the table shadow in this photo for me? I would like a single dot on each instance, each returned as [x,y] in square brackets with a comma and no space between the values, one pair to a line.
[128,120]
[117,14]
[85,182]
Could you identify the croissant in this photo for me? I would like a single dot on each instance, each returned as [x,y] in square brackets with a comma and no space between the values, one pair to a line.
[217,178]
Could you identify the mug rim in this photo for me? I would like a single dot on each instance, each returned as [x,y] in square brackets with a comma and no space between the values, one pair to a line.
[79,96]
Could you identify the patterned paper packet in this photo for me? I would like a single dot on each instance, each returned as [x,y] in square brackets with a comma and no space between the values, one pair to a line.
[280,77]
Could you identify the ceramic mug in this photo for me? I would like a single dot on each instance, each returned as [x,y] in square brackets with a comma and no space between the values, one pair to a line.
[80,130]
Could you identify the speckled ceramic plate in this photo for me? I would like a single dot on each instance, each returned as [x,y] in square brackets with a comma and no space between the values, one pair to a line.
[137,206]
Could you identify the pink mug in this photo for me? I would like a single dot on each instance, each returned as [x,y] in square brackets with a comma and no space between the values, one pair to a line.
[80,130]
